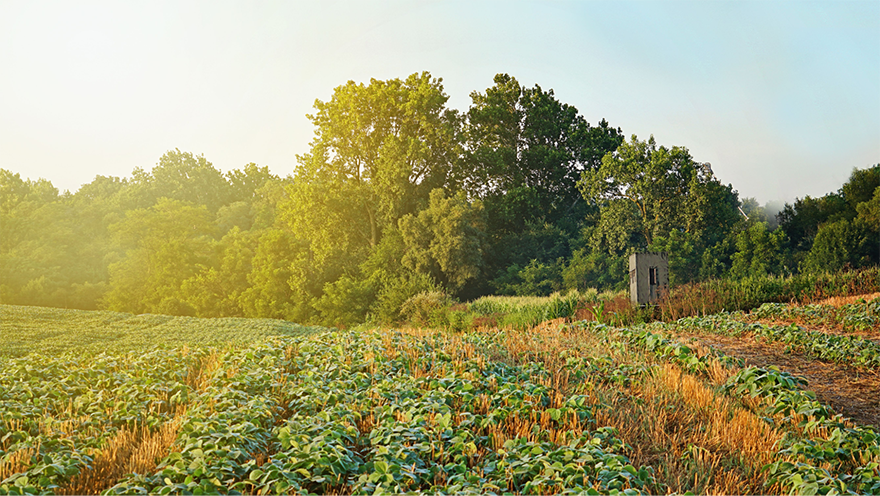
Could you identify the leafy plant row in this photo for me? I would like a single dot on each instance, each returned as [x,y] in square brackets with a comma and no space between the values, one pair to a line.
[852,350]
[661,345]
[338,412]
[53,331]
[845,460]
[56,412]
[851,453]
[859,316]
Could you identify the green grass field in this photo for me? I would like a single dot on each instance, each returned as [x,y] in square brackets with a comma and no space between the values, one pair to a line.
[101,402]
[53,331]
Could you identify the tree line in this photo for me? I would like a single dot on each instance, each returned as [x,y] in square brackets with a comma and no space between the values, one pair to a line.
[400,195]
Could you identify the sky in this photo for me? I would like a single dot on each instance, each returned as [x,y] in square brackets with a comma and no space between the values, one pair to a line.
[781,97]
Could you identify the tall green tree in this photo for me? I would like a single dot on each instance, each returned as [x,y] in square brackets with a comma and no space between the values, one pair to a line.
[759,252]
[446,240]
[216,290]
[644,191]
[180,176]
[860,186]
[36,232]
[802,220]
[525,151]
[523,141]
[378,151]
[388,143]
[270,293]
[839,245]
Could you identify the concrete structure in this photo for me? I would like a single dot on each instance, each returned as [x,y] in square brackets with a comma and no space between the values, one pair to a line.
[648,277]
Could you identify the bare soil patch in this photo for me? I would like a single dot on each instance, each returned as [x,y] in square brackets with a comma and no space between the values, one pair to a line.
[853,392]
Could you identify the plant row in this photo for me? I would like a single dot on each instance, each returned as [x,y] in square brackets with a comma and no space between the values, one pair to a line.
[845,458]
[338,412]
[852,350]
[54,331]
[831,454]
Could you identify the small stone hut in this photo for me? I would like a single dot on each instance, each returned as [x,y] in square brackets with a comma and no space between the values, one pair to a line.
[648,277]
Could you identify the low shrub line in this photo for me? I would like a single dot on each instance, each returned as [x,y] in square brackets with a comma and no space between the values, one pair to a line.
[718,295]
[859,316]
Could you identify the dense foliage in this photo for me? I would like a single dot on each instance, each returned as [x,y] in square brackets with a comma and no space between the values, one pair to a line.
[401,196]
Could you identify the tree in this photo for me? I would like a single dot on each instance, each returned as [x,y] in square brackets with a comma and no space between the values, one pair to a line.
[388,144]
[164,245]
[37,262]
[644,191]
[246,182]
[869,212]
[802,220]
[861,186]
[838,245]
[595,269]
[535,279]
[13,191]
[524,143]
[216,290]
[180,176]
[759,252]
[525,151]
[684,258]
[378,151]
[869,217]
[446,240]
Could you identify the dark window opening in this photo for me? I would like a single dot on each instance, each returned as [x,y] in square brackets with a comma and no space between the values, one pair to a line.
[654,275]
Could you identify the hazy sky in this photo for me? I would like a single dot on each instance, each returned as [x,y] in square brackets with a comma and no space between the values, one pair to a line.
[782,97]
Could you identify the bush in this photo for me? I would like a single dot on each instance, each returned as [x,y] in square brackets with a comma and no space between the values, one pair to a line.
[396,291]
[428,308]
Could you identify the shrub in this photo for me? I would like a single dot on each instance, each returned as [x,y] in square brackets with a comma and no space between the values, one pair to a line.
[427,308]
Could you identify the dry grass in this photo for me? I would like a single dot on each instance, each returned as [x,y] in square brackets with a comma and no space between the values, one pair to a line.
[851,391]
[839,301]
[18,461]
[135,450]
[695,439]
[199,373]
[47,425]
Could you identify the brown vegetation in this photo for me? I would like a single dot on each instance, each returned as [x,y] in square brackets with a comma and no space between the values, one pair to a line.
[849,390]
[134,450]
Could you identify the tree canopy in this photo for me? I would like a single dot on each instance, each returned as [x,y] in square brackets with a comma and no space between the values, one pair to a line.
[399,197]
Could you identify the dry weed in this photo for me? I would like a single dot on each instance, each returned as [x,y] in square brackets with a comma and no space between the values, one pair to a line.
[134,450]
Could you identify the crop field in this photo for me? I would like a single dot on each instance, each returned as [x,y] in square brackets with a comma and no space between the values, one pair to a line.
[100,402]
[52,331]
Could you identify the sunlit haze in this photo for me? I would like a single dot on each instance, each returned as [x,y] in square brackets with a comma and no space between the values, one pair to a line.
[783,98]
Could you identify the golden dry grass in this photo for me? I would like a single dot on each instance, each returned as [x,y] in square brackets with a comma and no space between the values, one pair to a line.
[839,301]
[135,450]
[696,439]
[18,461]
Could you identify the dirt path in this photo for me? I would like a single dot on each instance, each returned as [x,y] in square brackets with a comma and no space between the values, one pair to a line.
[854,392]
